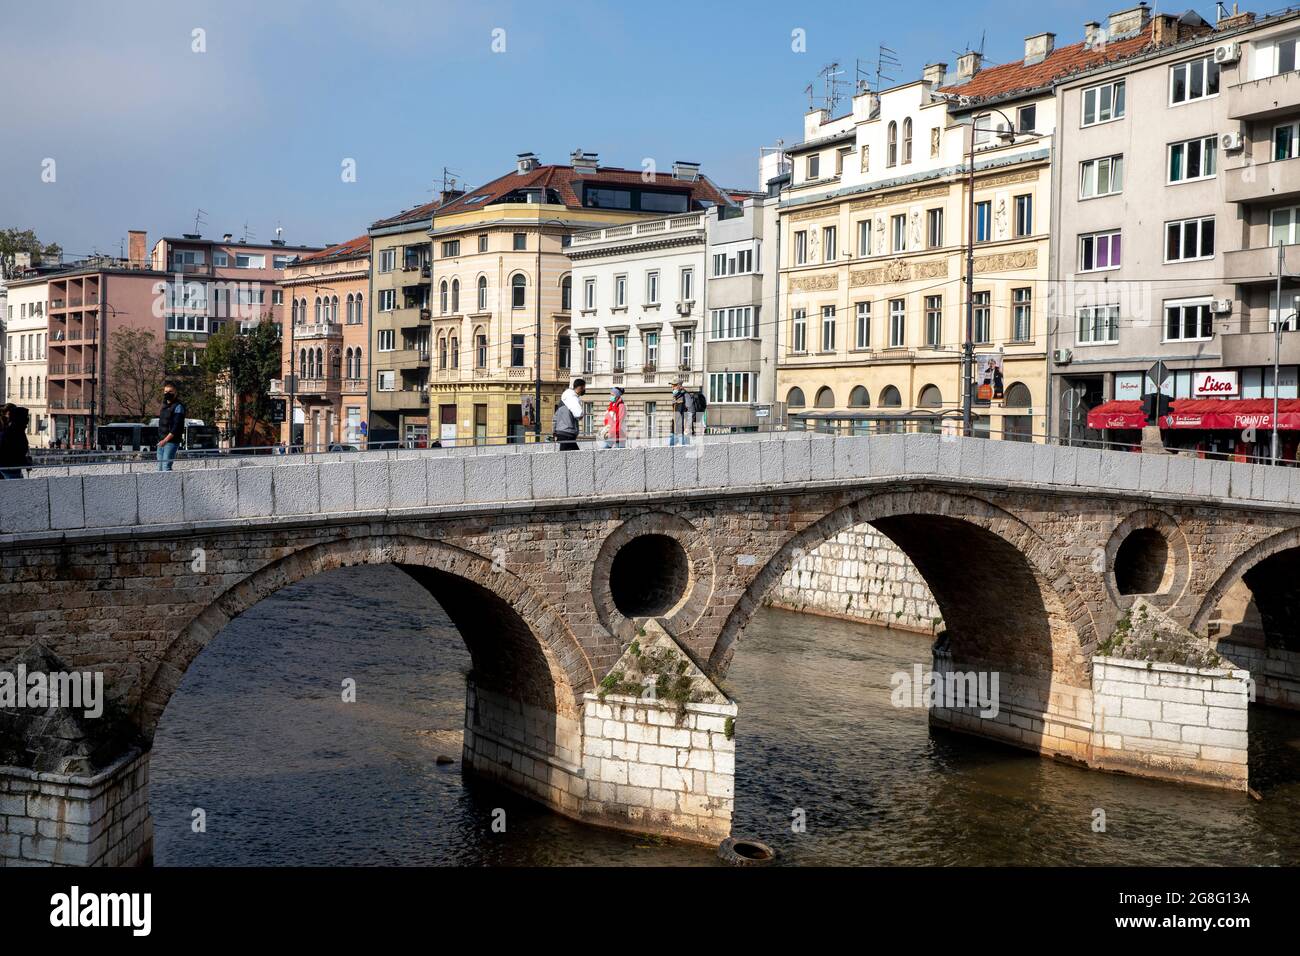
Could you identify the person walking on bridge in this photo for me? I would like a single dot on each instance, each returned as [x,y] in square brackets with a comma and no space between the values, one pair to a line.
[568,416]
[683,415]
[14,454]
[171,427]
[615,429]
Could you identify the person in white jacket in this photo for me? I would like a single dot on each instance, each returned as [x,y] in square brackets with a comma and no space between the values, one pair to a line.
[571,400]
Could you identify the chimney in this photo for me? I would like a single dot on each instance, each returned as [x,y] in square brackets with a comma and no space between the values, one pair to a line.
[1091,34]
[449,195]
[584,164]
[934,73]
[1235,19]
[1038,47]
[1128,21]
[227,237]
[968,64]
[686,171]
[526,163]
[135,253]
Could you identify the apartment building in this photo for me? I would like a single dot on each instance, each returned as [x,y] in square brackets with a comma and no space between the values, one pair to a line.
[1178,178]
[874,234]
[741,307]
[325,364]
[501,317]
[26,368]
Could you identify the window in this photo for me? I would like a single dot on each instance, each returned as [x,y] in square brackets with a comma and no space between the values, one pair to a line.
[387,300]
[934,321]
[517,291]
[934,228]
[480,350]
[800,247]
[1025,215]
[1099,251]
[455,295]
[652,288]
[841,157]
[828,328]
[891,145]
[930,397]
[735,323]
[1290,311]
[442,351]
[1193,159]
[451,248]
[247,261]
[1188,320]
[652,348]
[442,298]
[1101,177]
[864,237]
[898,233]
[386,340]
[220,258]
[814,165]
[1098,325]
[589,293]
[517,350]
[907,140]
[1284,58]
[620,352]
[1284,226]
[799,330]
[1022,317]
[829,253]
[1103,103]
[1026,118]
[387,260]
[1193,80]
[520,242]
[566,293]
[862,326]
[1189,239]
[686,286]
[588,354]
[731,388]
[897,323]
[1286,141]
[983,221]
[455,351]
[386,381]
[983,317]
[685,341]
[483,243]
[890,397]
[482,293]
[620,292]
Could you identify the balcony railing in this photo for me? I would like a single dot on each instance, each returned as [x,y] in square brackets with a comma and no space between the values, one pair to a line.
[657,227]
[317,330]
[1274,181]
[318,386]
[354,386]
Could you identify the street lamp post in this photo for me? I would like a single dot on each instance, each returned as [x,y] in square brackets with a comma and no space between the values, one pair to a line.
[1277,346]
[537,342]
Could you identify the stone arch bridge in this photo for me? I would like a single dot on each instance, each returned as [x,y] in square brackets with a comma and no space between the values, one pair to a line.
[553,564]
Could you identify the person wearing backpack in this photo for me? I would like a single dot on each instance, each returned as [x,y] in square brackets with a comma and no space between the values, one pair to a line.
[568,416]
[698,406]
[14,456]
[683,412]
[614,432]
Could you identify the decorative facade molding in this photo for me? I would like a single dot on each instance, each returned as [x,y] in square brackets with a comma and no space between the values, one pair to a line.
[1007,261]
[821,283]
[905,195]
[898,271]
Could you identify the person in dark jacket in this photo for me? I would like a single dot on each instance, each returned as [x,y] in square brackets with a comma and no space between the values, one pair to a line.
[13,441]
[171,427]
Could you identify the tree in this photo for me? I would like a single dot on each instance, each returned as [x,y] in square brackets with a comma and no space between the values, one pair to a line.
[139,368]
[241,366]
[14,241]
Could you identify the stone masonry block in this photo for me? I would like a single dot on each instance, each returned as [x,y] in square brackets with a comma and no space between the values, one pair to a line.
[372,485]
[743,466]
[1182,470]
[771,462]
[852,456]
[921,454]
[548,469]
[519,477]
[821,452]
[972,457]
[1119,470]
[255,496]
[712,464]
[1065,465]
[1041,470]
[659,468]
[161,496]
[24,505]
[67,506]
[485,477]
[1277,483]
[338,493]
[620,471]
[408,482]
[297,489]
[888,456]
[579,473]
[797,465]
[211,494]
[1154,473]
[110,501]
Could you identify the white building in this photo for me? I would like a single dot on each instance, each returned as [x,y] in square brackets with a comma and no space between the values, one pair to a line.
[26,370]
[638,318]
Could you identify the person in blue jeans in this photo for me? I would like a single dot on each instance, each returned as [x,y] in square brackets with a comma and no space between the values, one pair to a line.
[171,427]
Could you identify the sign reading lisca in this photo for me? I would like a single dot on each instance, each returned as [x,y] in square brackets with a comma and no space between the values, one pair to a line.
[1215,384]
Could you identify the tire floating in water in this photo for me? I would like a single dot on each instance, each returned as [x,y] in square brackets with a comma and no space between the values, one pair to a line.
[739,851]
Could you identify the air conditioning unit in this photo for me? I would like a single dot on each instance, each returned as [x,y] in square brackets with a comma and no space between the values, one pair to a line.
[1227,53]
[1063,356]
[684,308]
[1221,307]
[1231,142]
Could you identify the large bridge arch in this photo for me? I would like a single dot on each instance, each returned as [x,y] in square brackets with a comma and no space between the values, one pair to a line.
[520,645]
[1262,584]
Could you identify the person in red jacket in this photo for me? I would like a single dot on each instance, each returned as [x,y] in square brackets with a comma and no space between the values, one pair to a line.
[615,430]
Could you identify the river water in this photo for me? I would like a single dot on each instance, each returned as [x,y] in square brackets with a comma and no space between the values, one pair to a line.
[259,738]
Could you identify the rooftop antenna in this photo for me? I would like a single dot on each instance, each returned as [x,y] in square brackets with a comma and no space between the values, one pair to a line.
[199,220]
[279,231]
[248,233]
[886,60]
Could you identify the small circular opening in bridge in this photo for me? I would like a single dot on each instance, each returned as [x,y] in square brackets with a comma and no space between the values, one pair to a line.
[1141,562]
[649,575]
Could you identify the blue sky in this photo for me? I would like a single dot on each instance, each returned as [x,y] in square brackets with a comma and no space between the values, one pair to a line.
[255,130]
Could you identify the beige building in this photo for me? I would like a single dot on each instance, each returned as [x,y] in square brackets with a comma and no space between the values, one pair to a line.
[26,366]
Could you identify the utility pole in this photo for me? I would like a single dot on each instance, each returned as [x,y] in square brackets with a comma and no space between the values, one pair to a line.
[968,345]
[1277,346]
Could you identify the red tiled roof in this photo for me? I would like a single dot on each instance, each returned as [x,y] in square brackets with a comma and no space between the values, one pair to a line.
[1015,77]
[562,180]
[407,215]
[352,249]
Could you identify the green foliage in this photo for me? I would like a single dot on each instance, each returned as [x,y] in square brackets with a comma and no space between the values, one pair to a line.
[729,728]
[13,241]
[672,683]
[135,380]
[242,364]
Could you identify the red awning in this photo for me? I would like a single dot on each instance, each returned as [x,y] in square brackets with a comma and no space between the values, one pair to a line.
[1231,413]
[1117,414]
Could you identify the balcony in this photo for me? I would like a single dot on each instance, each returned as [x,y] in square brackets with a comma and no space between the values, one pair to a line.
[1263,182]
[318,386]
[318,330]
[1266,98]
[653,229]
[519,371]
[1256,348]
[412,317]
[404,358]
[354,386]
[1259,266]
[397,400]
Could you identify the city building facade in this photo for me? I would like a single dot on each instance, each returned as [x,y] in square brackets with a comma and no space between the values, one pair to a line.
[1179,177]
[26,368]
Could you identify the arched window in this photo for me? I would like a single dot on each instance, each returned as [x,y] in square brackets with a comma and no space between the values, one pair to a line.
[930,397]
[318,310]
[22,388]
[455,296]
[38,386]
[517,286]
[563,351]
[302,363]
[794,398]
[858,398]
[480,347]
[455,351]
[907,140]
[348,317]
[347,356]
[442,298]
[356,357]
[294,311]
[320,364]
[442,351]
[1018,396]
[890,397]
[334,309]
[891,145]
[482,293]
[566,294]
[825,397]
[361,316]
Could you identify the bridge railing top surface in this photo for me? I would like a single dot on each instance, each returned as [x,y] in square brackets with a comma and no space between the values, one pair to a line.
[148,502]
